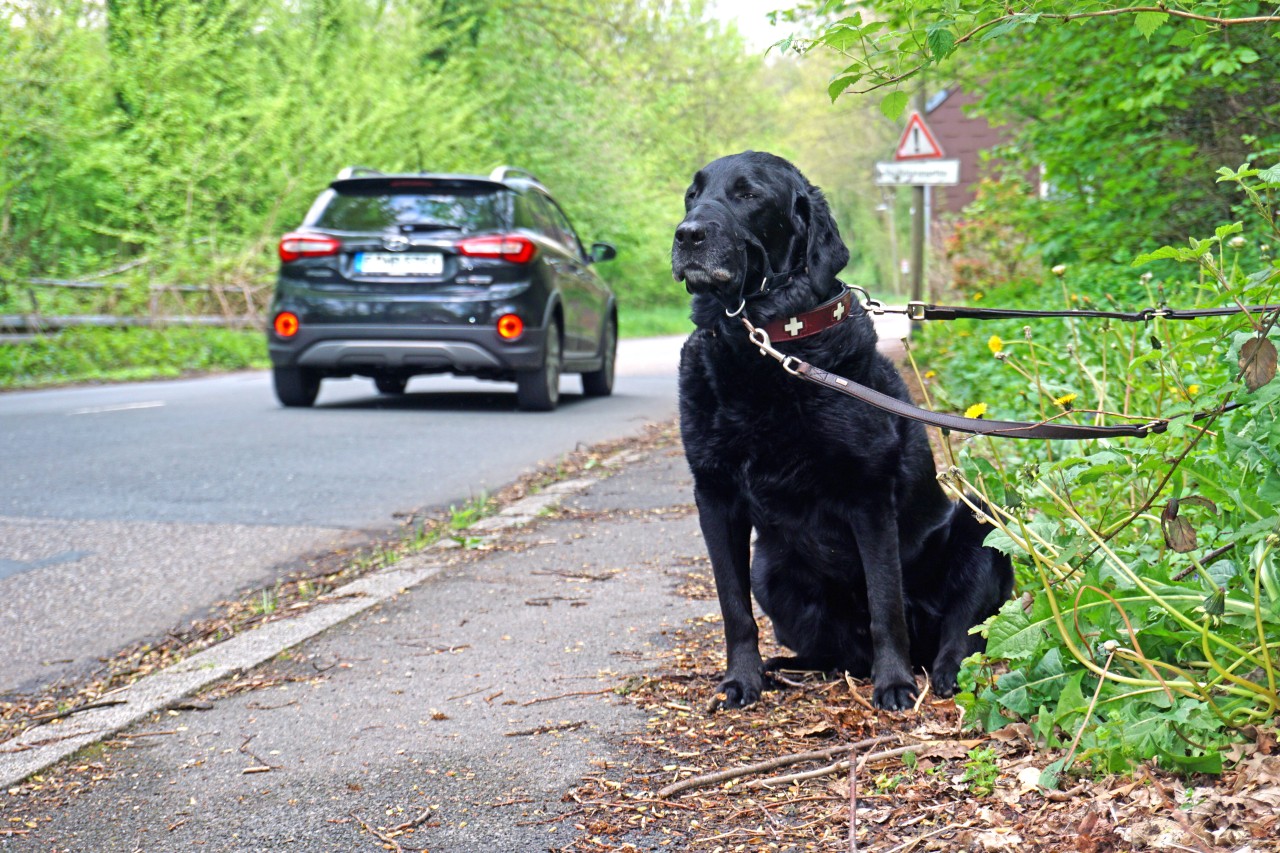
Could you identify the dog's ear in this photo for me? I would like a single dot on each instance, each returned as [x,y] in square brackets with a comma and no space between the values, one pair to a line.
[824,252]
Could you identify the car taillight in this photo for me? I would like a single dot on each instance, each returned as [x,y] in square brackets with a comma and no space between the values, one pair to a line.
[510,327]
[300,245]
[286,324]
[508,247]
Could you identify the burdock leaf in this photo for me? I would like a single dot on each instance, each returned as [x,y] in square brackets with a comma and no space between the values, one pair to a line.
[1257,362]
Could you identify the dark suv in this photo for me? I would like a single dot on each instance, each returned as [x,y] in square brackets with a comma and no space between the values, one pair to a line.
[391,276]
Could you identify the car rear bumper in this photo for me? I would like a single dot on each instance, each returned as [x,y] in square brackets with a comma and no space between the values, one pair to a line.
[359,349]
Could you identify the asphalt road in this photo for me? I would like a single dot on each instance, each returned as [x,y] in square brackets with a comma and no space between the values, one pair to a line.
[127,509]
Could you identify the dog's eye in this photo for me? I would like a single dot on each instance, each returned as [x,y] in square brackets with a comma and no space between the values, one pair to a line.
[745,194]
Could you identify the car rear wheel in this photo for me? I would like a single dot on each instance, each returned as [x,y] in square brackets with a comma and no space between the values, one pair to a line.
[393,385]
[599,383]
[539,390]
[296,387]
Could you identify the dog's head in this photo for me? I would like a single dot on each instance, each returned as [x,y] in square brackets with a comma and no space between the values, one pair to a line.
[750,215]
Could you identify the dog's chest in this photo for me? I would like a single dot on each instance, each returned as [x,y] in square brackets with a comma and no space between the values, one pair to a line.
[775,444]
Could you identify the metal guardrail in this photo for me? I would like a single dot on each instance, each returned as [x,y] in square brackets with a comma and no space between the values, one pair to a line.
[24,328]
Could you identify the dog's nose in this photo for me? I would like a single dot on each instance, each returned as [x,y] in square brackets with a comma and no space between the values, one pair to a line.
[690,233]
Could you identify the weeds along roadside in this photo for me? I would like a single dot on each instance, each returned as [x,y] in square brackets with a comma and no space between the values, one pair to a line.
[1148,622]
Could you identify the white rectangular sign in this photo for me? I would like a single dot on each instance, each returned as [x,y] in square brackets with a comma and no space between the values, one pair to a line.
[918,173]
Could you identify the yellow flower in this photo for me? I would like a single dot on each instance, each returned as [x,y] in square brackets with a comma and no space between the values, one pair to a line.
[977,410]
[1065,400]
[929,374]
[995,344]
[977,297]
[1193,390]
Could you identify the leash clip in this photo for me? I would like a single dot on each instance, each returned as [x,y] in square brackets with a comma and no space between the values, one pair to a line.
[760,338]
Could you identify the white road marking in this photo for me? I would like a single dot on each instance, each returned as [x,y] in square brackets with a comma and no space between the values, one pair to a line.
[121,407]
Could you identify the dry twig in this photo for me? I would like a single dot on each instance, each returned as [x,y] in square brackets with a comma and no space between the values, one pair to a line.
[568,695]
[772,781]
[762,766]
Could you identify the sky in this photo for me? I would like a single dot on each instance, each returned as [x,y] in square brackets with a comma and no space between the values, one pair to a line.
[752,23]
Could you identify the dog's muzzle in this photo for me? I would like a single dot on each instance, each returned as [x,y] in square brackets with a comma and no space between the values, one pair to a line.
[707,249]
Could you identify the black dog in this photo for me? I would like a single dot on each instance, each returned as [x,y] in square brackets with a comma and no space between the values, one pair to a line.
[861,561]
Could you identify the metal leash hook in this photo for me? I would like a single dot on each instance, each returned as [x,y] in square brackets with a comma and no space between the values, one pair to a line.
[760,338]
[914,310]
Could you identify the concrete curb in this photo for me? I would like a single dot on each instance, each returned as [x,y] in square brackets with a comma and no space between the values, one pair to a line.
[41,747]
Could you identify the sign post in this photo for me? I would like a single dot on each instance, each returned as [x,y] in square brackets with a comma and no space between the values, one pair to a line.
[917,163]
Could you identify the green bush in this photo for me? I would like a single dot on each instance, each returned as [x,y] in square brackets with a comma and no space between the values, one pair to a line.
[87,354]
[1149,625]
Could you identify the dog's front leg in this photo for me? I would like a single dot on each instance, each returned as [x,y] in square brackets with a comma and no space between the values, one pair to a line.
[727,532]
[875,526]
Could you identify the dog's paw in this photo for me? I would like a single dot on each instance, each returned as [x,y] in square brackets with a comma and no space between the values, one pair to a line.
[894,697]
[942,680]
[736,693]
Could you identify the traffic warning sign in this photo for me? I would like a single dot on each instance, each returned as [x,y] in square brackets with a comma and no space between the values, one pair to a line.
[917,142]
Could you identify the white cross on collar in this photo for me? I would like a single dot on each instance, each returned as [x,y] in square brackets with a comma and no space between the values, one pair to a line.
[839,312]
[794,327]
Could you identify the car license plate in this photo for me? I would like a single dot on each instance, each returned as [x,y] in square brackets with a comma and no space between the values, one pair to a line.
[385,263]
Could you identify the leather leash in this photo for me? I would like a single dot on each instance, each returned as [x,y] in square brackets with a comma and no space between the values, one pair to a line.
[925,311]
[979,426]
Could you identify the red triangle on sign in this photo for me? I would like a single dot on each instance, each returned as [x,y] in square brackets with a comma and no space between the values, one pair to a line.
[917,142]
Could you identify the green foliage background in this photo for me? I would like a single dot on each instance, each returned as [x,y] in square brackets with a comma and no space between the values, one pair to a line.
[192,133]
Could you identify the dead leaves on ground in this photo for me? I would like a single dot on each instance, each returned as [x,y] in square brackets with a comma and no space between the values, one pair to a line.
[915,802]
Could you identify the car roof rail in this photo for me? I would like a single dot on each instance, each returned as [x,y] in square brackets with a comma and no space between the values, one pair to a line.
[357,172]
[503,173]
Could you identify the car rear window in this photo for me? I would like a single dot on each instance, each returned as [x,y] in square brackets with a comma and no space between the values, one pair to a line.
[377,209]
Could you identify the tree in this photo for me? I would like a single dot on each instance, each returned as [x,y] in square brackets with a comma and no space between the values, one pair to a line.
[1127,108]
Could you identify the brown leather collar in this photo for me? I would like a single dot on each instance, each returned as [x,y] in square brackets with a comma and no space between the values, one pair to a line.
[828,314]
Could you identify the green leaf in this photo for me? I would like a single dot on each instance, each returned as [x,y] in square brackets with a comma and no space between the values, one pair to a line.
[1012,635]
[1265,564]
[1052,775]
[1223,231]
[940,41]
[840,37]
[893,104]
[837,86]
[1071,704]
[1009,24]
[1163,253]
[1148,22]
[1011,693]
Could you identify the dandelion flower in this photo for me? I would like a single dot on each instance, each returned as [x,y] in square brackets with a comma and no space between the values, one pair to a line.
[977,410]
[1065,400]
[995,344]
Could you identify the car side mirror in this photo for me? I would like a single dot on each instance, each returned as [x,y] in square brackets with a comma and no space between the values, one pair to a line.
[603,252]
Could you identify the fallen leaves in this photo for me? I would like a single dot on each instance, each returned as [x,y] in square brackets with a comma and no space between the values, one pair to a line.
[697,781]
